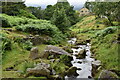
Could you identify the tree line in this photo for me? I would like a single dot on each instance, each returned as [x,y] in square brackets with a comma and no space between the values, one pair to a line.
[61,14]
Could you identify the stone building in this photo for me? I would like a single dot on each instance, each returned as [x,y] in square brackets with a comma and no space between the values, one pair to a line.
[84,11]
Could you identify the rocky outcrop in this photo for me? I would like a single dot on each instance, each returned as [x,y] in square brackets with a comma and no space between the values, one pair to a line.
[41,69]
[105,74]
[53,50]
[34,53]
[81,54]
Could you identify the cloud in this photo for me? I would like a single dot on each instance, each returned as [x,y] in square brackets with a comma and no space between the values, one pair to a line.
[44,3]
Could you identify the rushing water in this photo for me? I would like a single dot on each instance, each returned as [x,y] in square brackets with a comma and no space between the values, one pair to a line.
[85,65]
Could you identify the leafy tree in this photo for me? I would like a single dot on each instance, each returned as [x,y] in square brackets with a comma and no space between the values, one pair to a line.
[12,8]
[63,16]
[60,19]
[48,13]
[36,11]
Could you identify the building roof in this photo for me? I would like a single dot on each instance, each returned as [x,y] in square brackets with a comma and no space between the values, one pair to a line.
[62,1]
[83,8]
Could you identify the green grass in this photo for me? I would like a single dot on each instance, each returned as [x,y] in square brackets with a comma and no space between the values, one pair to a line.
[107,51]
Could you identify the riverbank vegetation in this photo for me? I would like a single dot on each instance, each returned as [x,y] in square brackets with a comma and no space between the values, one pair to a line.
[24,28]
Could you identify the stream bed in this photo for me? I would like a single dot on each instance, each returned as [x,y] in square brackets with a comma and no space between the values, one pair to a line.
[84,66]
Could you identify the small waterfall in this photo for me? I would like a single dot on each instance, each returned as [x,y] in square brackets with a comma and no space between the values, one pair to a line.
[84,65]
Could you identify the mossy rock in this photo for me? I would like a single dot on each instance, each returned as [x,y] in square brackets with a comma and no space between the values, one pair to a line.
[107,74]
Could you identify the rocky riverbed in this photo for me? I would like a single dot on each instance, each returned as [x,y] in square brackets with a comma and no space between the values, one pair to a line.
[82,61]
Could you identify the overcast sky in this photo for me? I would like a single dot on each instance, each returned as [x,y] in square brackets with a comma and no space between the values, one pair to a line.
[44,3]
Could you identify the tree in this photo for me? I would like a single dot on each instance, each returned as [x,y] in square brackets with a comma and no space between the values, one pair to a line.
[110,10]
[60,19]
[12,8]
[64,16]
[37,12]
[48,13]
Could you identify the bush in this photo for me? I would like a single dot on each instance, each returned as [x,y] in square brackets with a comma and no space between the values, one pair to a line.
[5,43]
[23,44]
[43,28]
[5,22]
[35,26]
[106,31]
[26,65]
[26,14]
[27,45]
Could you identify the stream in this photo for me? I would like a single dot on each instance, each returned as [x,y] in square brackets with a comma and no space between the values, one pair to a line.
[84,66]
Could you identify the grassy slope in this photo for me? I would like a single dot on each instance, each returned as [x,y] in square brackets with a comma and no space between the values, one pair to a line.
[106,48]
[16,56]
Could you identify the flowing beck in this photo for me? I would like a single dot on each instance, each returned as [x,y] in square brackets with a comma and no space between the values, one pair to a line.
[84,66]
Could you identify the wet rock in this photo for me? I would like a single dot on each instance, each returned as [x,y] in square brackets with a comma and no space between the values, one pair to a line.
[34,53]
[79,69]
[41,69]
[76,47]
[96,62]
[105,74]
[89,77]
[52,60]
[53,50]
[79,62]
[71,72]
[53,72]
[88,40]
[81,54]
[95,66]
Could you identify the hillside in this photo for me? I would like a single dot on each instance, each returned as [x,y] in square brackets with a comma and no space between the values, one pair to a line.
[57,43]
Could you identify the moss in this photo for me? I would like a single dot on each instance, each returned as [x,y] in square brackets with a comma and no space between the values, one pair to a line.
[41,49]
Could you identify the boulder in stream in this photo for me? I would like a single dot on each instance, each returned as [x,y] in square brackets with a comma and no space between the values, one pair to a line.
[95,66]
[81,54]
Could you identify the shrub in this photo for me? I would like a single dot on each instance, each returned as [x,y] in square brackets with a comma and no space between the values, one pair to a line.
[106,31]
[26,14]
[5,22]
[43,28]
[26,65]
[23,44]
[27,45]
[5,43]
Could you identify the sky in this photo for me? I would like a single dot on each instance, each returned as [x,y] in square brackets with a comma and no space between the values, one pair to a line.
[43,3]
